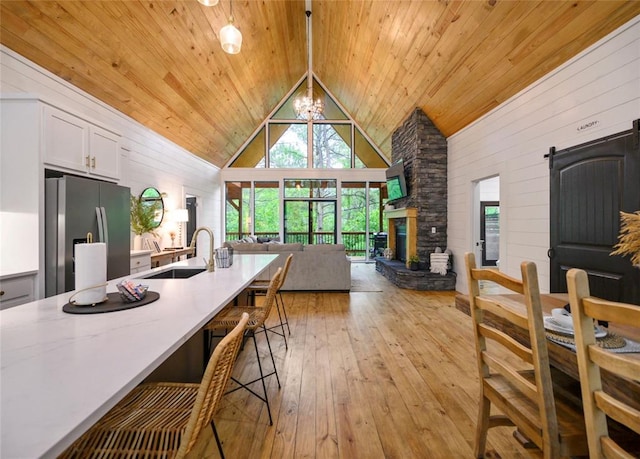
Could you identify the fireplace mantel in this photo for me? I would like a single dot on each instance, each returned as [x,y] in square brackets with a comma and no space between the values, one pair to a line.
[411,214]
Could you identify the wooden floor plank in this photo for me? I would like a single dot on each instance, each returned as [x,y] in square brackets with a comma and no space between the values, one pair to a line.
[368,374]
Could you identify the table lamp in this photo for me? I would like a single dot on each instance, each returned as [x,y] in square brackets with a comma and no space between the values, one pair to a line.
[180,216]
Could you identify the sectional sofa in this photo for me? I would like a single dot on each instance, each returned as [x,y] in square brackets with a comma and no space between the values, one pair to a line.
[313,268]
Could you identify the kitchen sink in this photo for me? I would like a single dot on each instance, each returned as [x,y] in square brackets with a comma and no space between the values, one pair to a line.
[175,273]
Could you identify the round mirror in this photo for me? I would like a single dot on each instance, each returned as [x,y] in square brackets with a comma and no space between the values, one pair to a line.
[152,198]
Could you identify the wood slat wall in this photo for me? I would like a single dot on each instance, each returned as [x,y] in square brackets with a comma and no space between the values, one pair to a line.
[600,87]
[160,62]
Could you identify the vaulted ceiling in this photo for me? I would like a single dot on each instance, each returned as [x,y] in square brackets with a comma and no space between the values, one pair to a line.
[160,62]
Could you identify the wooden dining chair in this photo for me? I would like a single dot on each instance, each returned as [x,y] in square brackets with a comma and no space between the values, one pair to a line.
[515,376]
[163,419]
[259,287]
[228,318]
[598,404]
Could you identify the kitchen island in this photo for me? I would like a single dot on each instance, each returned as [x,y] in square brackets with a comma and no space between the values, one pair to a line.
[61,372]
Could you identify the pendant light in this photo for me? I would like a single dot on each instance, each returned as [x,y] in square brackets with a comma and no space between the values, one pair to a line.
[209,2]
[230,36]
[305,106]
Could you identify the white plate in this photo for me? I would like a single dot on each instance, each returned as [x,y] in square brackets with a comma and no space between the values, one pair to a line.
[552,325]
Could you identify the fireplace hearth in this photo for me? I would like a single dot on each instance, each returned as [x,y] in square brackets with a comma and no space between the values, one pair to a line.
[401,276]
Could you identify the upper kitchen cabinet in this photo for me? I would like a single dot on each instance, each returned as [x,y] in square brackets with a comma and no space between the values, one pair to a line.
[80,146]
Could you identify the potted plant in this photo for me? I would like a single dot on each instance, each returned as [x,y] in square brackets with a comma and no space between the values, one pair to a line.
[143,219]
[413,262]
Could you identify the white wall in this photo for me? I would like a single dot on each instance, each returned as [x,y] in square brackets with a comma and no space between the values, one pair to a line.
[490,189]
[148,159]
[593,95]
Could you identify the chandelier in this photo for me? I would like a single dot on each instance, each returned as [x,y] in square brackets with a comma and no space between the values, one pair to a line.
[305,106]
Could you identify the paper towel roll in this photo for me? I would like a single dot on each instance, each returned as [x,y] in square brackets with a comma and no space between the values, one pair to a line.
[91,270]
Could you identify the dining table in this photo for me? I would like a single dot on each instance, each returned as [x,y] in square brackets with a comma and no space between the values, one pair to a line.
[561,356]
[61,372]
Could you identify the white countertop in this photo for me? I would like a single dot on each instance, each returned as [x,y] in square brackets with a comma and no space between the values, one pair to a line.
[61,372]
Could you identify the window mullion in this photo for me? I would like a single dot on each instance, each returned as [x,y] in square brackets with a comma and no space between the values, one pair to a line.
[309,144]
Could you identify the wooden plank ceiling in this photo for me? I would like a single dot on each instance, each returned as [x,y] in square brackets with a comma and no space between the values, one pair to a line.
[160,62]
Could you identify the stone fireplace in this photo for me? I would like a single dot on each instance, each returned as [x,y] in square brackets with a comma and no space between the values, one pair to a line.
[423,150]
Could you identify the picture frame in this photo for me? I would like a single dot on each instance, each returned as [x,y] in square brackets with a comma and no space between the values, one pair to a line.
[152,245]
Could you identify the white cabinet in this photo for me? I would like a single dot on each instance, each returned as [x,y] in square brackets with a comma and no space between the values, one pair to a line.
[16,290]
[140,261]
[65,138]
[104,152]
[73,143]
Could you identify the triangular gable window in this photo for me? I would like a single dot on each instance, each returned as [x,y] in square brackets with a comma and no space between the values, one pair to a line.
[282,141]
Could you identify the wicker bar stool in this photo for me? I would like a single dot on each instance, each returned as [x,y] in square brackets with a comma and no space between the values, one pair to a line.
[259,287]
[163,419]
[228,318]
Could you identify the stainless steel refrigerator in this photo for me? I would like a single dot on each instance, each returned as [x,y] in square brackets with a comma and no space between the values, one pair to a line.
[74,207]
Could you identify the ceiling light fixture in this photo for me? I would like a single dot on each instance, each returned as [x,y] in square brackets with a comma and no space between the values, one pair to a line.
[230,36]
[305,106]
[209,2]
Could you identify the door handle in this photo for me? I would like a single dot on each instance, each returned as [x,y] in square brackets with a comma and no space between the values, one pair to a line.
[105,226]
[551,253]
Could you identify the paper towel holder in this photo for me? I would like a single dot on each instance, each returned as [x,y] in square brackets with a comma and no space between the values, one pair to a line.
[85,289]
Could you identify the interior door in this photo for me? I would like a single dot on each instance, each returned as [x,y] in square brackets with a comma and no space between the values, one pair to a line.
[490,232]
[590,185]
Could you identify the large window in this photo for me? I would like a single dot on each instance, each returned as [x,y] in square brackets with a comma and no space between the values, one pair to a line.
[309,211]
[332,146]
[237,210]
[362,219]
[354,218]
[288,145]
[342,201]
[266,209]
[284,141]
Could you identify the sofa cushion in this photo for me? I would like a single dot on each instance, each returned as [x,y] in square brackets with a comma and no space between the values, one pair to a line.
[324,248]
[249,247]
[293,247]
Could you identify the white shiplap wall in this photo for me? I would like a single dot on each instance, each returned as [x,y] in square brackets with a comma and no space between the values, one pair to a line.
[147,158]
[599,88]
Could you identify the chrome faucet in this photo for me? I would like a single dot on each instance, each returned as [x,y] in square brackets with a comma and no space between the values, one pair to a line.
[211,263]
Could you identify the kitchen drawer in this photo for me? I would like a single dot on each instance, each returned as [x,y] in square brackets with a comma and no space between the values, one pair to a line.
[140,261]
[16,290]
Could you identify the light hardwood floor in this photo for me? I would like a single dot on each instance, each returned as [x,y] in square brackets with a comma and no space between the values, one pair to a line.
[386,374]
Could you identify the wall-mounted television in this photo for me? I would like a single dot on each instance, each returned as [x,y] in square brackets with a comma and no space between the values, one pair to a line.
[396,184]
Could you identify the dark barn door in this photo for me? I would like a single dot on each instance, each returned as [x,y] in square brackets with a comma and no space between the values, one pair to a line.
[590,185]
